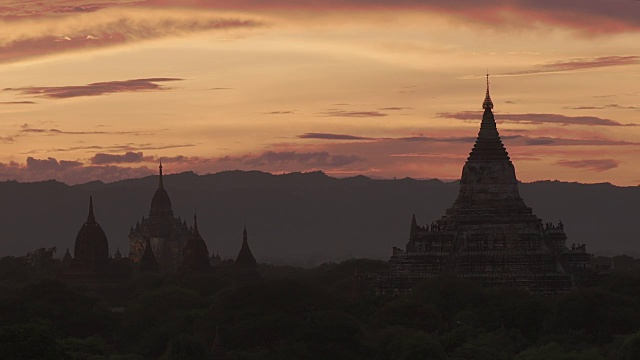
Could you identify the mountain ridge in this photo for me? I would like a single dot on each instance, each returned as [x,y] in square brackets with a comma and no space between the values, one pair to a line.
[299,218]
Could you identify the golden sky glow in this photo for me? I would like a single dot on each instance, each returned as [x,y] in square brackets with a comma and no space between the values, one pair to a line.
[103,90]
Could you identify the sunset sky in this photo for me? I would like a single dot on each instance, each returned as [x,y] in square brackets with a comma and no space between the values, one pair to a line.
[103,89]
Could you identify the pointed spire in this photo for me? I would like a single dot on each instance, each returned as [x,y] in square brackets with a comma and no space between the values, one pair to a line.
[414,226]
[244,233]
[67,257]
[148,263]
[160,182]
[487,104]
[245,257]
[195,253]
[488,146]
[195,224]
[91,217]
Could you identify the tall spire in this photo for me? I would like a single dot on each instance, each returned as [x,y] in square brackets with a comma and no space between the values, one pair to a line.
[414,226]
[245,257]
[488,146]
[161,183]
[161,204]
[91,217]
[195,255]
[244,233]
[487,104]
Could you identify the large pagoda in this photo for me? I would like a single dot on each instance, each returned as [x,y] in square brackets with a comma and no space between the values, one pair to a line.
[166,234]
[489,234]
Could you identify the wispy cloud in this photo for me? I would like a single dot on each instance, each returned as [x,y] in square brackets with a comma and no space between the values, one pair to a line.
[325,136]
[346,113]
[602,107]
[95,89]
[465,139]
[395,108]
[112,148]
[588,16]
[552,141]
[534,118]
[307,159]
[590,164]
[280,112]
[26,130]
[579,64]
[29,130]
[32,8]
[36,35]
[17,103]
[512,140]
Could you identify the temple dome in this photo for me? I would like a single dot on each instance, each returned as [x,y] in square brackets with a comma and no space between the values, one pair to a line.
[91,247]
[161,204]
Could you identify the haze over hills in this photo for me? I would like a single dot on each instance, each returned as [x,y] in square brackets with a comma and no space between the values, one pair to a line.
[298,218]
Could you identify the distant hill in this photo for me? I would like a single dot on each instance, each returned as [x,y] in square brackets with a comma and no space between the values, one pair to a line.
[299,218]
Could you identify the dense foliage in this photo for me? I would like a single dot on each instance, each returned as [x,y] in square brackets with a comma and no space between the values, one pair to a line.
[294,313]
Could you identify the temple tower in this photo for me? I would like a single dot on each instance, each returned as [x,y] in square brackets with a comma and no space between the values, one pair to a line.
[488,186]
[246,267]
[195,253]
[489,234]
[91,249]
[166,234]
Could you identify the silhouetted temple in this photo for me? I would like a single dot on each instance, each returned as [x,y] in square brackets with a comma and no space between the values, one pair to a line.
[195,257]
[67,259]
[245,266]
[166,233]
[91,254]
[91,249]
[489,234]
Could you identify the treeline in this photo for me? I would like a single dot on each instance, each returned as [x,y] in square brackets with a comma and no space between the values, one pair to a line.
[294,313]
